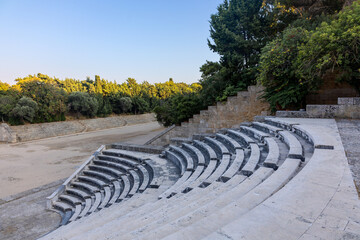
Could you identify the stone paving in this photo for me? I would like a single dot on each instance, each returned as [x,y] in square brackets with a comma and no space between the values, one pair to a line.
[23,216]
[349,129]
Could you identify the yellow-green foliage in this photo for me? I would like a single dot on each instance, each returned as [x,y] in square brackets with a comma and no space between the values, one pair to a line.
[88,97]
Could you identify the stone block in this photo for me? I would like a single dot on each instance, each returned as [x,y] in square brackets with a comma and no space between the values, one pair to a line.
[349,101]
[292,114]
[345,101]
[357,101]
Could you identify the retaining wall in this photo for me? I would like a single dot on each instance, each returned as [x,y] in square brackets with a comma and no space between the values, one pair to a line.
[243,107]
[45,130]
[6,134]
[348,108]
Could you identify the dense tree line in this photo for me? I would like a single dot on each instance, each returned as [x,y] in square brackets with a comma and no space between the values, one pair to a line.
[287,46]
[40,98]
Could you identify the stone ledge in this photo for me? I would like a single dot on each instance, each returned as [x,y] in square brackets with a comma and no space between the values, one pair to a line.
[349,101]
[292,114]
[137,148]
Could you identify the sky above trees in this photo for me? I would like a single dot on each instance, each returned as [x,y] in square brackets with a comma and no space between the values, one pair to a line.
[146,40]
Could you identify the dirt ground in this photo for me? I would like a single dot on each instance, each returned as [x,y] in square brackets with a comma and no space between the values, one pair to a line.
[24,166]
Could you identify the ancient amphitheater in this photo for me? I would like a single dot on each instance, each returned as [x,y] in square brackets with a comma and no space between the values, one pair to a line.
[271,178]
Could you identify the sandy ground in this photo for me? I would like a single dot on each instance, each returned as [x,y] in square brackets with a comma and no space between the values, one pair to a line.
[31,164]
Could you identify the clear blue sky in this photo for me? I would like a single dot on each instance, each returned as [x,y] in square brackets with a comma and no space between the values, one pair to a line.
[149,40]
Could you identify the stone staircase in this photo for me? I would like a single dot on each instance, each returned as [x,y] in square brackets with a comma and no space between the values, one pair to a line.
[240,108]
[221,180]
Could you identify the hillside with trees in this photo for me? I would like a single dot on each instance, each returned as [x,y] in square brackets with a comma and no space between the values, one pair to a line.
[287,46]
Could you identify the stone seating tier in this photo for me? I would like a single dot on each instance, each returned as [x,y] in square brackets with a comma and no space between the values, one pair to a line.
[223,180]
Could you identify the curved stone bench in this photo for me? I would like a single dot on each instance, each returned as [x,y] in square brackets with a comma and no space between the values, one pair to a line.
[253,160]
[259,135]
[83,195]
[119,153]
[267,128]
[221,216]
[273,156]
[235,165]
[153,228]
[244,139]
[65,210]
[314,203]
[229,142]
[210,168]
[206,149]
[199,155]
[190,162]
[218,146]
[106,180]
[257,131]
[295,148]
[176,160]
[74,202]
[175,187]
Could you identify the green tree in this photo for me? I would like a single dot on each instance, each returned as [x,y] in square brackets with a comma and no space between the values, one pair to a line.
[333,47]
[104,106]
[82,103]
[283,89]
[139,105]
[50,98]
[7,104]
[98,85]
[239,30]
[125,104]
[178,108]
[25,109]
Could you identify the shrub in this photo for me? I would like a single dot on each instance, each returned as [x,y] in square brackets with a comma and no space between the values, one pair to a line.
[125,104]
[278,70]
[25,109]
[178,108]
[82,103]
[7,104]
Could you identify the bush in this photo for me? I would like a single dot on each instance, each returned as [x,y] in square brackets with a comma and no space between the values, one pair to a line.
[125,104]
[25,109]
[278,70]
[104,106]
[139,105]
[50,99]
[7,104]
[178,108]
[82,103]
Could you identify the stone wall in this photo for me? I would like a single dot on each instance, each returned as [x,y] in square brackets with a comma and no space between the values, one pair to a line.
[54,129]
[6,134]
[243,107]
[348,108]
[331,90]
